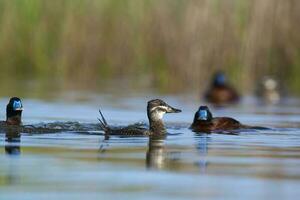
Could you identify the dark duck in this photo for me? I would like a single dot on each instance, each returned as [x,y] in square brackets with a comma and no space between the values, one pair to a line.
[14,110]
[13,123]
[205,122]
[155,111]
[220,92]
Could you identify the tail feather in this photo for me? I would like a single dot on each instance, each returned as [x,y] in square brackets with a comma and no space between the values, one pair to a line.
[103,119]
[103,124]
[255,127]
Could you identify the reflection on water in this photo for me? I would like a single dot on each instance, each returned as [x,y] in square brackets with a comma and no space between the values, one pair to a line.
[12,138]
[63,163]
[156,154]
[12,149]
[202,150]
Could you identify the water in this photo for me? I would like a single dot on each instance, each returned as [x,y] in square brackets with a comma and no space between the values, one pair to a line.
[75,165]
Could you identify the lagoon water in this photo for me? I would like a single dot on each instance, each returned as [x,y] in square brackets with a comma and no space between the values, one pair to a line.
[82,164]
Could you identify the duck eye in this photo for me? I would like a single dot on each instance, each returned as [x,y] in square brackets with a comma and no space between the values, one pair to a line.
[202,115]
[17,105]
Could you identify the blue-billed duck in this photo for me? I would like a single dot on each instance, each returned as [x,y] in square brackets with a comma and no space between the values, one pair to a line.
[14,110]
[221,92]
[155,110]
[205,122]
[13,121]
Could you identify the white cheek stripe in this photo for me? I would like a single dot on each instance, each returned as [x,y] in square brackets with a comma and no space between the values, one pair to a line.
[163,107]
[159,115]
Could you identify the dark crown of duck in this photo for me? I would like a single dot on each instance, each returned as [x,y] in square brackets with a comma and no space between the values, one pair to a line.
[219,79]
[203,114]
[14,110]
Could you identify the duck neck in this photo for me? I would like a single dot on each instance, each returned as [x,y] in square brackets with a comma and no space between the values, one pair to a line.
[13,117]
[14,120]
[157,126]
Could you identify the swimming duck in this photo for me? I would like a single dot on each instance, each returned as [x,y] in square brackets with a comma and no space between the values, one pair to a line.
[14,110]
[268,90]
[13,121]
[155,111]
[220,92]
[205,122]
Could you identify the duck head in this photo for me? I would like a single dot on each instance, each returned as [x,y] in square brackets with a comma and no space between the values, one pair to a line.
[203,114]
[157,108]
[219,79]
[14,110]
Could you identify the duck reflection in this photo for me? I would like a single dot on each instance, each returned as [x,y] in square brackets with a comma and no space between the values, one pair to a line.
[12,144]
[12,149]
[156,154]
[202,150]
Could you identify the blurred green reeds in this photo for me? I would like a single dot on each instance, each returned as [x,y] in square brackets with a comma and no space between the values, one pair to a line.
[169,45]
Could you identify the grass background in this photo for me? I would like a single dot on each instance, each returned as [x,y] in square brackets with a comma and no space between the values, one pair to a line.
[166,45]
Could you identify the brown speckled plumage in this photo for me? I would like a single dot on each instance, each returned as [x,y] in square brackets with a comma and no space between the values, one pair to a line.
[155,110]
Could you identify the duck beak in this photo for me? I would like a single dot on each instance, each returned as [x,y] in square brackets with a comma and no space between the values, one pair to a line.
[17,106]
[170,109]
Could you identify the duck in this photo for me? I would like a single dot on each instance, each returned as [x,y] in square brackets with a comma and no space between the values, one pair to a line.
[220,91]
[156,109]
[14,111]
[13,122]
[268,90]
[205,122]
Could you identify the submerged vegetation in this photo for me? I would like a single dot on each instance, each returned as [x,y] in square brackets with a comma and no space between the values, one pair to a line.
[169,45]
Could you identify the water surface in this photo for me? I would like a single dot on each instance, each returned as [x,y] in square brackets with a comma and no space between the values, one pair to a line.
[73,165]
